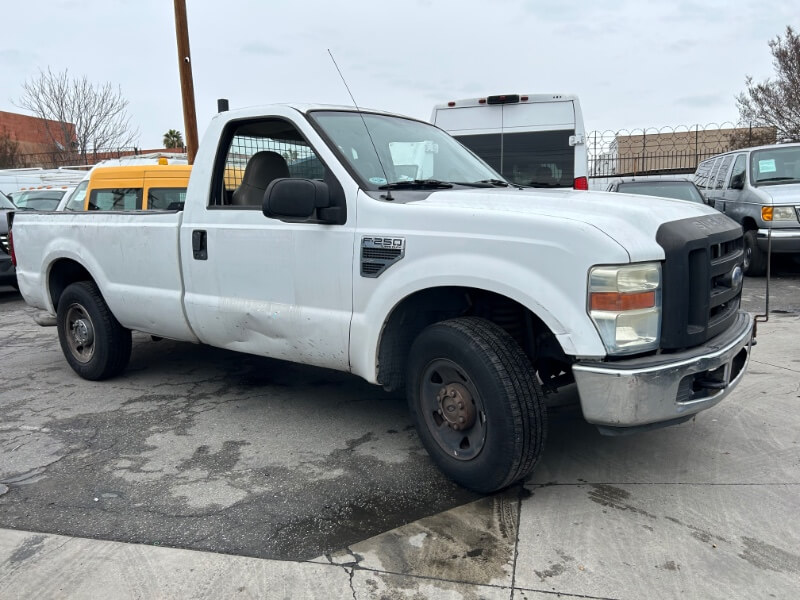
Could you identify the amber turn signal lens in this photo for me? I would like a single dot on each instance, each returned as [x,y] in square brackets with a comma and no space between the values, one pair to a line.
[766,213]
[616,301]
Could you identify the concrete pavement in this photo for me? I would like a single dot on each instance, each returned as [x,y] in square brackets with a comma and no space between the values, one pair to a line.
[707,509]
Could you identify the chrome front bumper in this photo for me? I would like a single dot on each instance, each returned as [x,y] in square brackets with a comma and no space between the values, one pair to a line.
[783,240]
[666,387]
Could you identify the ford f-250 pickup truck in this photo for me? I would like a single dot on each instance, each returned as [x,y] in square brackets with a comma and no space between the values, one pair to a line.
[377,244]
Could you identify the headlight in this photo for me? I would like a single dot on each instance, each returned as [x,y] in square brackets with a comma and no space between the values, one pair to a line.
[778,213]
[625,304]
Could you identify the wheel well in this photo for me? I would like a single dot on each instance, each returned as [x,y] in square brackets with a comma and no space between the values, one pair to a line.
[63,273]
[749,223]
[415,312]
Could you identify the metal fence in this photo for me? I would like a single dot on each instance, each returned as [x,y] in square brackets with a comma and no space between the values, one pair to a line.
[654,151]
[624,152]
[70,158]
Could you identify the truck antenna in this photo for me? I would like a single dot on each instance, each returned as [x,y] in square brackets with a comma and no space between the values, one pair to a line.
[388,195]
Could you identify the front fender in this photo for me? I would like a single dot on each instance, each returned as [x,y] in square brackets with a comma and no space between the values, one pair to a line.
[560,306]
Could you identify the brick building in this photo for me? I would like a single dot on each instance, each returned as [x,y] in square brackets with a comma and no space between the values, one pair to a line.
[31,133]
[672,151]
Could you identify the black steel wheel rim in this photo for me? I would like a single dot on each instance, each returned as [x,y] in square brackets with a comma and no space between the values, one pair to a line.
[452,409]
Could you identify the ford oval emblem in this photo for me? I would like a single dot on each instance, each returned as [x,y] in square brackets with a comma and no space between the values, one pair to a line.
[737,275]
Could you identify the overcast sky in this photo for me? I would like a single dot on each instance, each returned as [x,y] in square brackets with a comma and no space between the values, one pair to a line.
[633,64]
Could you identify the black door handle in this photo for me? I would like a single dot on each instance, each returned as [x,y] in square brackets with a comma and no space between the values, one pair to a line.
[199,247]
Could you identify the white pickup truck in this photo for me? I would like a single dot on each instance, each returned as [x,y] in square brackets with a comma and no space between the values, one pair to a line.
[376,244]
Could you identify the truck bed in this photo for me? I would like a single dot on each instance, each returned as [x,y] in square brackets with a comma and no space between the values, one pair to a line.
[133,256]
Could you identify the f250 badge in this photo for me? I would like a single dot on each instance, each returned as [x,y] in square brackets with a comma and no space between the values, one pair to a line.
[380,253]
[383,242]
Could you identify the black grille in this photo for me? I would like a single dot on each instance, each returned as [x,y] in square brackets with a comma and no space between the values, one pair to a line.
[4,243]
[702,287]
[725,295]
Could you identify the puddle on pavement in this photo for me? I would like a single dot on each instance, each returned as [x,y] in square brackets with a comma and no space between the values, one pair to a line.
[473,543]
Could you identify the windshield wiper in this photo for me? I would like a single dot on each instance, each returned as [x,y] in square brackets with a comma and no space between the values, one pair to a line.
[494,182]
[420,184]
[488,183]
[775,179]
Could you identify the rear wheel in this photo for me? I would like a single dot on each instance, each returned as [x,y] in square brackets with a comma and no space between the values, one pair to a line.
[755,259]
[94,343]
[476,403]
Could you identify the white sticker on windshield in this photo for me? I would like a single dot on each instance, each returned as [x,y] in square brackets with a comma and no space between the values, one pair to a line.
[377,180]
[766,166]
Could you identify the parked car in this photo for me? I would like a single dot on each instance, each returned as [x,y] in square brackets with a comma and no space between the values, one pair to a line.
[533,140]
[679,189]
[7,273]
[469,293]
[40,198]
[760,189]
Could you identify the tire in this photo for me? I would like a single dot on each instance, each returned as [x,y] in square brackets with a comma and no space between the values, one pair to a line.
[95,345]
[755,259]
[471,360]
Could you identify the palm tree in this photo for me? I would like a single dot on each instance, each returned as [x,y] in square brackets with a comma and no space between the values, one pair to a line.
[173,139]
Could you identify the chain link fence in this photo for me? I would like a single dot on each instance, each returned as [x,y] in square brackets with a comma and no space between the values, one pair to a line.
[665,150]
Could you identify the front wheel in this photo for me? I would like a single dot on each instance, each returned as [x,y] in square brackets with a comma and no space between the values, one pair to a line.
[476,403]
[94,343]
[755,259]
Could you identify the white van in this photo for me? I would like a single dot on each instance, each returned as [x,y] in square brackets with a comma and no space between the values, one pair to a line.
[536,140]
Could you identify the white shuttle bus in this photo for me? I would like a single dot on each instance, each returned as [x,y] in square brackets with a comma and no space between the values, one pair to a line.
[535,140]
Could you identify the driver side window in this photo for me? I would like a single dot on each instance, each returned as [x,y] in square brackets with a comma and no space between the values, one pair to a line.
[259,152]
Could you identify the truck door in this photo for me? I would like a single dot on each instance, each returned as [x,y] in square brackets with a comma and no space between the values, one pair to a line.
[260,285]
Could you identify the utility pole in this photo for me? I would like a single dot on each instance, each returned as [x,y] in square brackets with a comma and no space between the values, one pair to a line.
[187,85]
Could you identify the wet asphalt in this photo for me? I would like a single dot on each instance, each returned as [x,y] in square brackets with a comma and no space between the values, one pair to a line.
[200,448]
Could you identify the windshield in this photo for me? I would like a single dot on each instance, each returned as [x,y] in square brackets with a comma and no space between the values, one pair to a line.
[42,203]
[39,199]
[6,203]
[76,200]
[775,165]
[680,190]
[410,151]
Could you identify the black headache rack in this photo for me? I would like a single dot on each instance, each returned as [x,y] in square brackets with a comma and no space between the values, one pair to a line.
[702,279]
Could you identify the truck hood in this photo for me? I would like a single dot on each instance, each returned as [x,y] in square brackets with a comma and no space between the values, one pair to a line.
[631,220]
[784,193]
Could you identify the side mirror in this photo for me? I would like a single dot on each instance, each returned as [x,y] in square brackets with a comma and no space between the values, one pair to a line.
[294,198]
[737,183]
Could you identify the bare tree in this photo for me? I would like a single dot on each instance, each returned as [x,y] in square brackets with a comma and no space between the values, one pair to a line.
[776,102]
[87,118]
[747,135]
